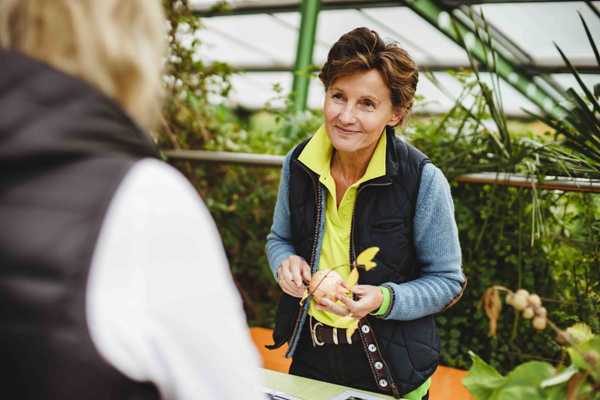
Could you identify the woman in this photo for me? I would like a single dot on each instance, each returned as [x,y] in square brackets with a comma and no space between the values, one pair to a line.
[102,245]
[351,186]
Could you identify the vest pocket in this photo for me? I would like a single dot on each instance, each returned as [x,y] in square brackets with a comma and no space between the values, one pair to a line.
[389,226]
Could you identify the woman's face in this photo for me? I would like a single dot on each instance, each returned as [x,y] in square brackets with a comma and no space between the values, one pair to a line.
[357,109]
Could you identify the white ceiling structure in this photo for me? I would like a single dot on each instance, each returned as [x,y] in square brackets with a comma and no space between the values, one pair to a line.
[263,44]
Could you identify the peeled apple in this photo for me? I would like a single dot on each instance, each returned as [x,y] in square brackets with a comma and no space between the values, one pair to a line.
[327,283]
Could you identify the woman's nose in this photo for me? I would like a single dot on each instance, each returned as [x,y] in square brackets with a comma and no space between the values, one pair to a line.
[348,115]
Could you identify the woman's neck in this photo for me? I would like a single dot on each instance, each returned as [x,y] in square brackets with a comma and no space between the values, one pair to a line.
[353,165]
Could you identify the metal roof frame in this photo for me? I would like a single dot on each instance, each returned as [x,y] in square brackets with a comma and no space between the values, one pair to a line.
[513,64]
[277,6]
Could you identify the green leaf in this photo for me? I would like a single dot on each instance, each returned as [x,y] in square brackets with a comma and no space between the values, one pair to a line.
[578,360]
[581,332]
[562,377]
[578,78]
[530,374]
[519,393]
[482,379]
[589,35]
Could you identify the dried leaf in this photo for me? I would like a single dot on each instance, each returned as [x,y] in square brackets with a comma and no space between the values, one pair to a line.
[574,385]
[352,278]
[366,258]
[304,297]
[343,321]
[493,306]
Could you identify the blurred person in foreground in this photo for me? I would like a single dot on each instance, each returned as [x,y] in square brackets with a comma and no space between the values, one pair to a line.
[351,186]
[113,280]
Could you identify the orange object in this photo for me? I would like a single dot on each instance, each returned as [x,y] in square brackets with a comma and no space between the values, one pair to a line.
[446,383]
[272,359]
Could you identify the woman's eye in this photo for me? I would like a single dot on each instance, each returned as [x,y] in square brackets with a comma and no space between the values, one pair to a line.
[369,104]
[337,96]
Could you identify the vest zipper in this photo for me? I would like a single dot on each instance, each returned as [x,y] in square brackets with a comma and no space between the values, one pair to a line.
[313,255]
[318,197]
[352,261]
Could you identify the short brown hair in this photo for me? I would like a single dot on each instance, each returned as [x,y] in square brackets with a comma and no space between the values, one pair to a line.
[361,50]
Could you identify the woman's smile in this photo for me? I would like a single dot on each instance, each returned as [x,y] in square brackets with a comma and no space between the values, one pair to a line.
[347,131]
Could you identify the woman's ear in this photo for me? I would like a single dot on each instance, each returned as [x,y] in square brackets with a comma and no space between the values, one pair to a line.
[397,117]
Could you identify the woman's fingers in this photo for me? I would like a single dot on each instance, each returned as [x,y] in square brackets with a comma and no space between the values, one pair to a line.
[348,302]
[306,272]
[350,309]
[296,269]
[285,267]
[360,289]
[334,308]
[291,289]
[289,276]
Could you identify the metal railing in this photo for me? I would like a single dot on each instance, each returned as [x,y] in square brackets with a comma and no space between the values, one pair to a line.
[518,180]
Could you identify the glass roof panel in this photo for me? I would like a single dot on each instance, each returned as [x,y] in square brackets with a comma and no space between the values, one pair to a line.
[569,81]
[261,34]
[254,89]
[534,26]
[206,4]
[219,48]
[408,26]
[333,24]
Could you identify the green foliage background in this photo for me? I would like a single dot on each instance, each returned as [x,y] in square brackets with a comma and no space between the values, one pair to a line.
[496,223]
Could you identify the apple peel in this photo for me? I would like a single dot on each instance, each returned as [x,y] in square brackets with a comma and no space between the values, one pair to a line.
[366,258]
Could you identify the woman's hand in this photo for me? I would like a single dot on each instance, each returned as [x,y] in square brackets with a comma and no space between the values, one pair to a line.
[290,275]
[369,300]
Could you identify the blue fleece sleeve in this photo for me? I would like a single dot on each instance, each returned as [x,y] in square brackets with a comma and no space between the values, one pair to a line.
[279,241]
[438,251]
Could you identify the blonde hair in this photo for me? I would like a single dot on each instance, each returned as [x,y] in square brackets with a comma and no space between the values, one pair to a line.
[118,46]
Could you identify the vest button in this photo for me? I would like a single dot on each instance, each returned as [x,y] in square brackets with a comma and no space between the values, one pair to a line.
[365,329]
[378,365]
[382,383]
[372,348]
[345,212]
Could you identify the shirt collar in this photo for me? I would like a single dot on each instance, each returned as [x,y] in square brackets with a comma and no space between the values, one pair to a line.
[317,156]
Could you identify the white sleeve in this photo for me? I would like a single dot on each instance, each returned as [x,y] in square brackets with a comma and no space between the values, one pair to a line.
[161,302]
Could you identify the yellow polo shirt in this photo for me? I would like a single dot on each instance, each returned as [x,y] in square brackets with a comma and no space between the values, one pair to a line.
[335,250]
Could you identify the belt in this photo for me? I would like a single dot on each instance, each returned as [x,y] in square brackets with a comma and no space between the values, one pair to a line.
[324,334]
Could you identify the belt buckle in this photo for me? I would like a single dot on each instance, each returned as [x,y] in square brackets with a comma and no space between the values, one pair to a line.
[314,334]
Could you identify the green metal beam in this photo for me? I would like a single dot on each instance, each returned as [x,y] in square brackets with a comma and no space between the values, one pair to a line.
[304,54]
[281,6]
[507,69]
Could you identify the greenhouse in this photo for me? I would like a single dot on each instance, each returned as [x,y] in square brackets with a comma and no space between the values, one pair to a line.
[521,225]
[300,199]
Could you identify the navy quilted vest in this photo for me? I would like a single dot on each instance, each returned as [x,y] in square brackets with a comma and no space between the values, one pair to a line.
[383,216]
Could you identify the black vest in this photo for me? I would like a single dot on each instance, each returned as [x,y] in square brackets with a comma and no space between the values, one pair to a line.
[64,149]
[383,216]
